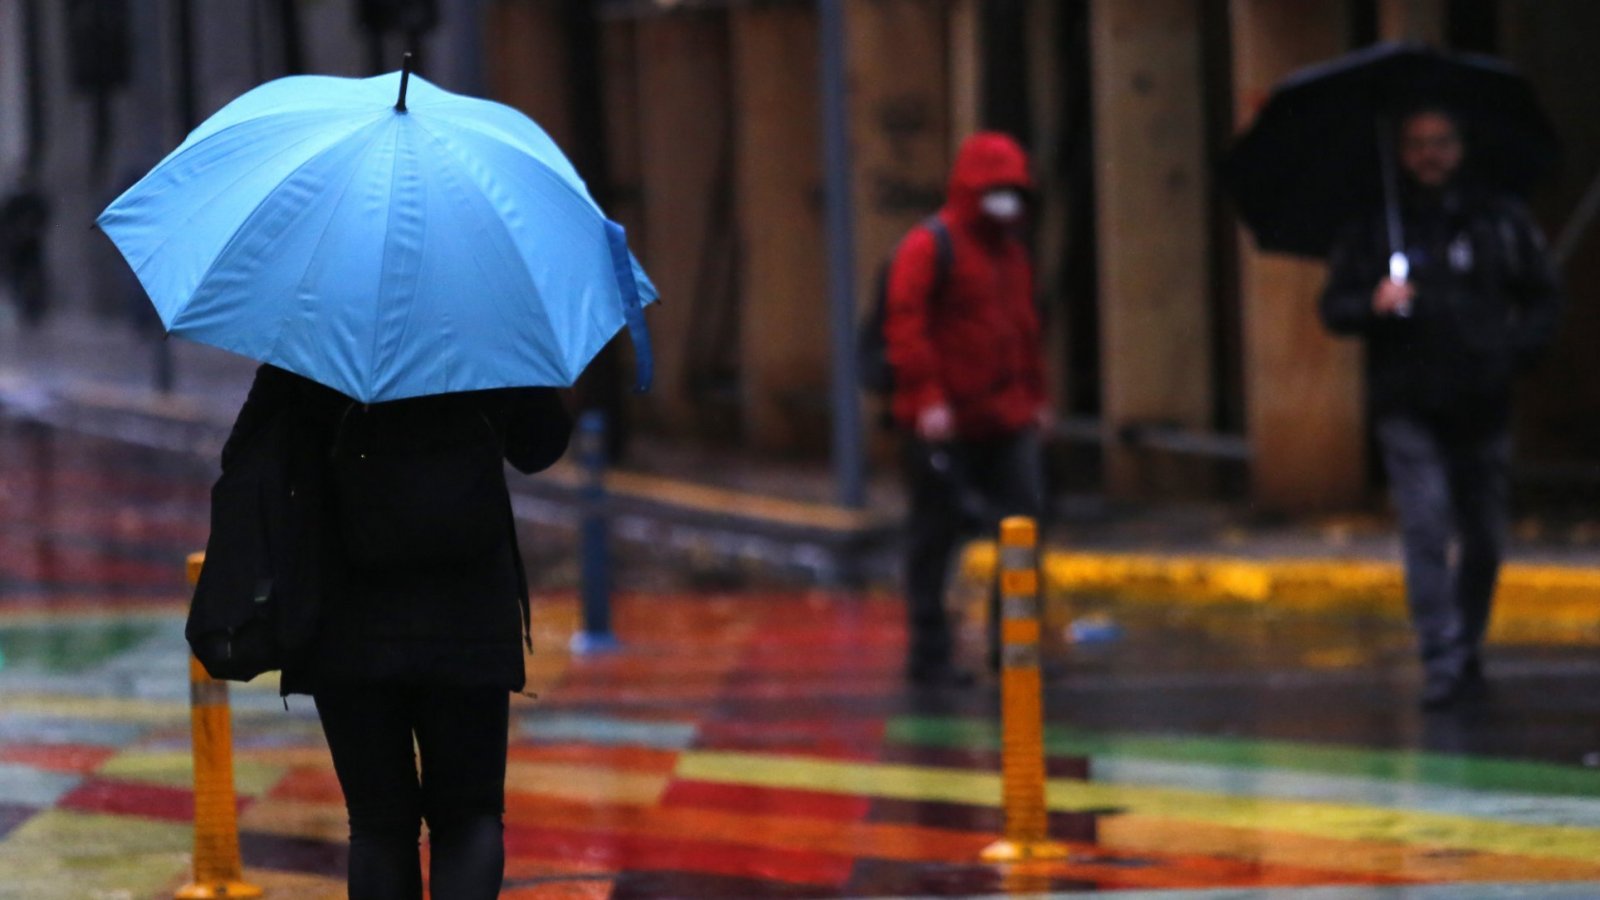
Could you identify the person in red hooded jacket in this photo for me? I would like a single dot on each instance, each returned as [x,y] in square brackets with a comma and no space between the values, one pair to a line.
[962,338]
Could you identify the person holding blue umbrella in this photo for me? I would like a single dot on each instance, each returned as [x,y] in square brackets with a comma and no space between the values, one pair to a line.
[418,272]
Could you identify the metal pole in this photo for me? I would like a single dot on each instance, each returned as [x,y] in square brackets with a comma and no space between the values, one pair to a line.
[293,41]
[467,46]
[595,538]
[1391,187]
[849,459]
[33,71]
[163,367]
[188,99]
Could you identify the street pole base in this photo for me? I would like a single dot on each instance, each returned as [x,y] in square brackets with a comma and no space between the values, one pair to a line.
[1008,851]
[585,644]
[215,890]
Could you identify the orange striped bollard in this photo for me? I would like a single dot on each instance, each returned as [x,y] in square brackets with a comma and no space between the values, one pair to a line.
[1021,701]
[218,869]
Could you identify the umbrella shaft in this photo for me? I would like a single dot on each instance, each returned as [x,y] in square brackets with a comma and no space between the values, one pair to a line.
[1391,188]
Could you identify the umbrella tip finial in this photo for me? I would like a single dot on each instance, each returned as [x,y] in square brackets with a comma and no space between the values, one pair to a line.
[405,80]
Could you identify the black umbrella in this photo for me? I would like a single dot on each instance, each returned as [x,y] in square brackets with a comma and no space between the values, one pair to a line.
[1321,150]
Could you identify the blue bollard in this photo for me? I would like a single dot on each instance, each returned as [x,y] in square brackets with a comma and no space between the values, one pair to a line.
[595,538]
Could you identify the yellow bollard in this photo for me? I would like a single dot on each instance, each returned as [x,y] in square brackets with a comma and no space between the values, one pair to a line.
[218,870]
[1021,701]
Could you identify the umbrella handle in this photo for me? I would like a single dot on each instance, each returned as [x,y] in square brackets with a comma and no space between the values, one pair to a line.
[1399,267]
[1391,185]
[1399,273]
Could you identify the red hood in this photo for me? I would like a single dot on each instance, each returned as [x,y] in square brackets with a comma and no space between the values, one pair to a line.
[987,160]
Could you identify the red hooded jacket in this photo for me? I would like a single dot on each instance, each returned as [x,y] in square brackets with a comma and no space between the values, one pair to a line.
[974,346]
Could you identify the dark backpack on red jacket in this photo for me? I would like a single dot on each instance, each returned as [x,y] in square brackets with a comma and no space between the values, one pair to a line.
[872,351]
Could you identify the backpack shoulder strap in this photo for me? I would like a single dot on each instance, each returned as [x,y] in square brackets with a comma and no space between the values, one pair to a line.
[944,250]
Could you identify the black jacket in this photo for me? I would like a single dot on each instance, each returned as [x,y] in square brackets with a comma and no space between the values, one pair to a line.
[1486,306]
[461,621]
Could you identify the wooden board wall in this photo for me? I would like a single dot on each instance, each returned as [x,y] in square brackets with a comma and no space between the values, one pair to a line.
[1303,387]
[966,70]
[624,155]
[528,62]
[1412,20]
[1046,74]
[1552,43]
[682,70]
[899,122]
[785,339]
[1151,187]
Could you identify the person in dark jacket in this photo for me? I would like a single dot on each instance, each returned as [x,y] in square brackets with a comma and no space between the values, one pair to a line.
[24,220]
[968,382]
[423,616]
[1443,345]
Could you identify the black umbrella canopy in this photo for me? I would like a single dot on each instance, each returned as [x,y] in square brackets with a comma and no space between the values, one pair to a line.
[1313,158]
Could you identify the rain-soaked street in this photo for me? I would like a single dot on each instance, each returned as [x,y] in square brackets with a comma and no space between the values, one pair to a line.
[757,740]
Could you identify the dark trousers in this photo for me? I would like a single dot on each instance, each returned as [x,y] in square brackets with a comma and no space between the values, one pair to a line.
[958,490]
[460,734]
[1451,489]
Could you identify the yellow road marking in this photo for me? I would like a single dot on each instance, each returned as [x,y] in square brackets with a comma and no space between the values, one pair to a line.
[126,709]
[297,819]
[1325,820]
[656,489]
[588,784]
[1533,602]
[1134,833]
[175,768]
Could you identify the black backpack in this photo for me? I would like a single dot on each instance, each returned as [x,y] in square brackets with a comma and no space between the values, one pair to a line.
[256,605]
[872,352]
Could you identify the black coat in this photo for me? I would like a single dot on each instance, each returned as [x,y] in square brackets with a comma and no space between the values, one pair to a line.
[1486,306]
[458,621]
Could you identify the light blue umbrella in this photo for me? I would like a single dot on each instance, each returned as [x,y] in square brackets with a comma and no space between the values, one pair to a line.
[385,249]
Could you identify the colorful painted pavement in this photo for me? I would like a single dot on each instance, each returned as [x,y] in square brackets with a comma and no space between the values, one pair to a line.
[762,744]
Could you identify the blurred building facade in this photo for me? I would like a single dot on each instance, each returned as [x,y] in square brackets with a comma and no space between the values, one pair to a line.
[94,92]
[1177,350]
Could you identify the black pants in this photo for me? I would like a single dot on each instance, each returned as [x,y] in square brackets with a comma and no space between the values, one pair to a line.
[957,490]
[1449,488]
[460,790]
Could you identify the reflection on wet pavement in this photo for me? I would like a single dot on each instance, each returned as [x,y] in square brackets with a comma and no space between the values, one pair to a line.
[759,744]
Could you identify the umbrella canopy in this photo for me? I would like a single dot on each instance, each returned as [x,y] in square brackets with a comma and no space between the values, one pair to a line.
[1313,159]
[387,250]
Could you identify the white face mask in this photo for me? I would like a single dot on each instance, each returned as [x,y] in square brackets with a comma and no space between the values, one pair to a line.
[1003,205]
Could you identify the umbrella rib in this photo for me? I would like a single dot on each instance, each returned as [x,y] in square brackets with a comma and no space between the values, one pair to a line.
[466,177]
[383,264]
[288,313]
[185,147]
[233,238]
[467,124]
[173,232]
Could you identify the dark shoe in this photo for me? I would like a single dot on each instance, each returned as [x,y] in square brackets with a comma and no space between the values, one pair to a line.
[944,676]
[1448,691]
[1472,684]
[1440,691]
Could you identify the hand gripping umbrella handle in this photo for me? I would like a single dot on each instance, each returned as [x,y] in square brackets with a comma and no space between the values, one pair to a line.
[1399,273]
[632,308]
[1399,267]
